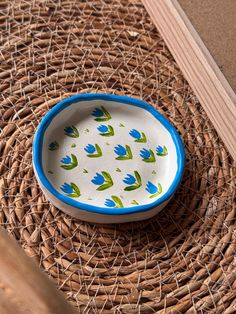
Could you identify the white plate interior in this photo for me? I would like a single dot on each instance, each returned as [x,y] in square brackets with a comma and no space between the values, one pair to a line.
[82,164]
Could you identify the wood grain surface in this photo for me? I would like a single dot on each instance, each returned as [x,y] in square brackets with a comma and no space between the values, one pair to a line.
[23,288]
[208,82]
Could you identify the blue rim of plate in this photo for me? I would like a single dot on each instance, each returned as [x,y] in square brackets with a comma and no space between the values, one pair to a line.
[38,144]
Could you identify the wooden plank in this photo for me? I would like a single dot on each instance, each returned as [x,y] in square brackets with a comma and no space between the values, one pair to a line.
[198,66]
[7,306]
[215,22]
[25,288]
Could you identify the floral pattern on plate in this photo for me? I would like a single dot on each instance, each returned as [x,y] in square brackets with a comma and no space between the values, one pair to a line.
[93,151]
[53,145]
[69,162]
[103,179]
[128,180]
[138,137]
[161,150]
[153,189]
[101,114]
[70,189]
[105,130]
[114,202]
[71,131]
[123,152]
[147,155]
[133,181]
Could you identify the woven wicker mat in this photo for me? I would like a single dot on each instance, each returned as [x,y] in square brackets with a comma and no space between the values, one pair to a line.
[181,261]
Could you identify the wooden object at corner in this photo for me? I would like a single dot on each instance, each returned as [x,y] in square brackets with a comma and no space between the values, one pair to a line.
[23,288]
[198,66]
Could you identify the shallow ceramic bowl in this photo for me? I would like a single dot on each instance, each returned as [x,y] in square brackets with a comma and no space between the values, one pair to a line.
[107,159]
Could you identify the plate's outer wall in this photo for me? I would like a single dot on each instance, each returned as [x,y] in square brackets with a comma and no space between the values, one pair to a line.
[98,218]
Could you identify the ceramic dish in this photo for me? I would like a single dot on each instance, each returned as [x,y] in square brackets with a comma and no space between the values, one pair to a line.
[107,159]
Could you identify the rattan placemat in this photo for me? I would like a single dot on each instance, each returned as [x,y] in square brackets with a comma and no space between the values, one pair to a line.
[183,260]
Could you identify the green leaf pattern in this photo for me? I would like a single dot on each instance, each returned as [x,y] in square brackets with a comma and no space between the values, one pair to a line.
[101,114]
[117,201]
[73,163]
[109,133]
[159,191]
[137,184]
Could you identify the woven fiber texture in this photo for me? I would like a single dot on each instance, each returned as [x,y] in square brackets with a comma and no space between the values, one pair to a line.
[182,260]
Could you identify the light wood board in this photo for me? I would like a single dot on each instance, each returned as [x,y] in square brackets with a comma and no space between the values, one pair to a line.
[23,288]
[198,66]
[215,22]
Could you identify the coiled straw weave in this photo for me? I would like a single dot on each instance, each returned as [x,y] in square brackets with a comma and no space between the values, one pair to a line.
[183,260]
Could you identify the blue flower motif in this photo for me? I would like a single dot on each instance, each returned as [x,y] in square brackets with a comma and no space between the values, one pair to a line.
[69,162]
[71,189]
[144,153]
[135,134]
[120,150]
[90,149]
[102,128]
[98,179]
[67,188]
[139,137]
[129,179]
[97,113]
[93,151]
[69,130]
[66,160]
[110,203]
[103,179]
[159,149]
[133,182]
[53,145]
[115,201]
[151,188]
[101,114]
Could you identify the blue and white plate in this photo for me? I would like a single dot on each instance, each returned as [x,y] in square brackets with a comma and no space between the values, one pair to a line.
[106,158]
